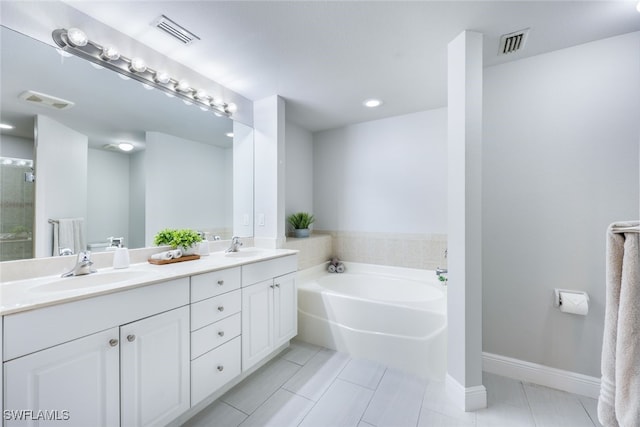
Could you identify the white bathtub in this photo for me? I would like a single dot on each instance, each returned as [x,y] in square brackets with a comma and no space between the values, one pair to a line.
[395,316]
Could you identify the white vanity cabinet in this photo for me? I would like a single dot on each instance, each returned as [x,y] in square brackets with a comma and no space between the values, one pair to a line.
[215,331]
[269,304]
[118,359]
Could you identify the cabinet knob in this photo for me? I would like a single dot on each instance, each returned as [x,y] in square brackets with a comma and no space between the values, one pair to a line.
[220,368]
[277,285]
[221,333]
[271,286]
[220,282]
[113,342]
[221,308]
[131,338]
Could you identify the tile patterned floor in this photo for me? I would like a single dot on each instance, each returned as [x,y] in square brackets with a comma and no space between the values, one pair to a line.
[310,386]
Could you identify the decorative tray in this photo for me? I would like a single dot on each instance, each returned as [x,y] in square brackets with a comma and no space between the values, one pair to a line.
[173,260]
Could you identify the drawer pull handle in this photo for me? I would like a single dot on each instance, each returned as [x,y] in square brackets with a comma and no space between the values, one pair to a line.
[220,308]
[131,338]
[221,333]
[113,342]
[220,368]
[220,282]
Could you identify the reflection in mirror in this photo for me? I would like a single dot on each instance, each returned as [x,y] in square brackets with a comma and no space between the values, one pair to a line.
[179,173]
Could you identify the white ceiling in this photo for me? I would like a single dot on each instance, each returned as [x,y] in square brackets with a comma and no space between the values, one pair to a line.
[326,57]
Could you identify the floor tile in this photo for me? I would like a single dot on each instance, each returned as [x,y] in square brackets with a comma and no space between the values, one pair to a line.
[341,406]
[300,352]
[504,415]
[554,408]
[435,419]
[257,388]
[436,400]
[397,400]
[363,424]
[282,409]
[363,372]
[315,377]
[218,414]
[504,390]
[591,406]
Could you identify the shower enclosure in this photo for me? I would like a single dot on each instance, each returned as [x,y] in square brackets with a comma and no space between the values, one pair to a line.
[16,208]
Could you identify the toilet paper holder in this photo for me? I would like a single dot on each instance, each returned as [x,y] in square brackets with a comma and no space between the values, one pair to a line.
[557,301]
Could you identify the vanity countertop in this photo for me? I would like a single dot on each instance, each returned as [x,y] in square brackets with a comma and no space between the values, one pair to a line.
[29,294]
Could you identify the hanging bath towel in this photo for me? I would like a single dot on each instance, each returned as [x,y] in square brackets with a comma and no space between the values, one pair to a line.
[619,401]
[68,233]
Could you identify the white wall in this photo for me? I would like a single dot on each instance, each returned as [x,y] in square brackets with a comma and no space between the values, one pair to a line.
[61,179]
[387,175]
[184,185]
[107,196]
[137,211]
[243,194]
[299,170]
[15,146]
[560,162]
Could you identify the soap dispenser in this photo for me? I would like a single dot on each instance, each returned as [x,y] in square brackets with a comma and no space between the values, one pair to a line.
[121,257]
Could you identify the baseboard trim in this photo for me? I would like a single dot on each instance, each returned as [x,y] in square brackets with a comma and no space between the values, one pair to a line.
[466,398]
[572,382]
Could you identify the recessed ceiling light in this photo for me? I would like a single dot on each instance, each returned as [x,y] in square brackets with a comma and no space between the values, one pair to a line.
[125,146]
[372,103]
[229,134]
[5,126]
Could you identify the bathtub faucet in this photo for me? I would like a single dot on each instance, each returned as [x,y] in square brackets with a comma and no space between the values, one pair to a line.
[441,271]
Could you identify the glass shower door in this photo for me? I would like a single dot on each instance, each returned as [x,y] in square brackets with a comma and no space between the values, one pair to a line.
[16,208]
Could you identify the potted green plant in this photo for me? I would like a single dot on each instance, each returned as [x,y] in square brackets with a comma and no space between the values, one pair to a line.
[300,222]
[184,239]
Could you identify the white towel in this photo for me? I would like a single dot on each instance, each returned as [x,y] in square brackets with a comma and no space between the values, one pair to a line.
[619,401]
[68,233]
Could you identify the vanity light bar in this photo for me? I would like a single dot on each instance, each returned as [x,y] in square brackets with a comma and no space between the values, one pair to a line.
[136,69]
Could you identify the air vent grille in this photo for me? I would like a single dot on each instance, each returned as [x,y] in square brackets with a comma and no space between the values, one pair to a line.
[513,42]
[176,31]
[33,97]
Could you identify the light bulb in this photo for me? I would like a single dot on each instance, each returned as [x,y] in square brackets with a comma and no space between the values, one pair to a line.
[138,65]
[202,95]
[229,134]
[232,108]
[183,86]
[162,77]
[110,53]
[372,103]
[77,37]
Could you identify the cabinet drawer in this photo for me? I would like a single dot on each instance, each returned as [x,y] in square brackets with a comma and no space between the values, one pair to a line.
[264,270]
[214,335]
[34,330]
[214,369]
[215,283]
[213,309]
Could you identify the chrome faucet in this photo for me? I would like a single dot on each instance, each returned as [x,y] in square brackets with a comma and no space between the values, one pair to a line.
[83,265]
[441,271]
[235,244]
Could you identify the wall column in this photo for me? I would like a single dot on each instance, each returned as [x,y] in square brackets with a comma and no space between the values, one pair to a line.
[464,377]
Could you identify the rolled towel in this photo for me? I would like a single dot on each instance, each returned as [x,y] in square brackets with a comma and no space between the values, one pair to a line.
[331,268]
[340,268]
[177,253]
[163,255]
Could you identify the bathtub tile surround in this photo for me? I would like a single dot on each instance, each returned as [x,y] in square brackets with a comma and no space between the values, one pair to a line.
[365,394]
[420,250]
[315,249]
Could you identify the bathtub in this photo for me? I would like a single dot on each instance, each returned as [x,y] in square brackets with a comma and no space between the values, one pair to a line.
[395,316]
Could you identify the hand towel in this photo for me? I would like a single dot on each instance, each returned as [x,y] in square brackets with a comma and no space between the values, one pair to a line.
[331,268]
[340,268]
[177,253]
[68,233]
[163,255]
[619,400]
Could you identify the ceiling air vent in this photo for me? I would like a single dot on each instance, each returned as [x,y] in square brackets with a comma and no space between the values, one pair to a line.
[513,42]
[33,97]
[174,30]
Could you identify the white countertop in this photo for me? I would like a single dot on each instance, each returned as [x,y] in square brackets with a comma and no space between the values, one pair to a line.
[29,294]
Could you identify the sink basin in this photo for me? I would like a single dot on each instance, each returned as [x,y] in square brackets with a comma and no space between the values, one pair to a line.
[244,253]
[89,280]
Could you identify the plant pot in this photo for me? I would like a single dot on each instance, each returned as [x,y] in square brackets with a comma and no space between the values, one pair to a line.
[191,250]
[301,232]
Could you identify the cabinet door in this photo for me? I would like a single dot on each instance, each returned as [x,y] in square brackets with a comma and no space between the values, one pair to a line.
[257,322]
[285,309]
[76,383]
[154,373]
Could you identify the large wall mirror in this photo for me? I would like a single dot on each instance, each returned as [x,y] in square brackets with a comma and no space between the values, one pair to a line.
[188,168]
